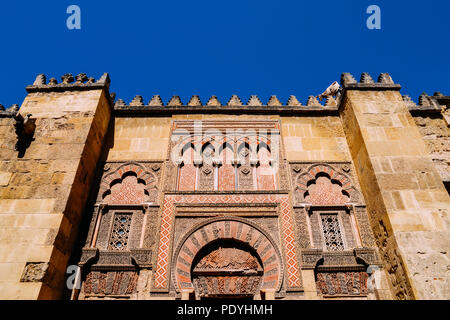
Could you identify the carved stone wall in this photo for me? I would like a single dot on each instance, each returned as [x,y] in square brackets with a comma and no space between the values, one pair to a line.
[291,174]
[332,228]
[324,183]
[405,197]
[118,284]
[163,273]
[50,147]
[335,284]
[130,182]
[227,270]
[122,230]
[436,134]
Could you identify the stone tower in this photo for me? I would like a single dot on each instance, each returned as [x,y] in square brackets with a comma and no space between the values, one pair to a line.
[344,199]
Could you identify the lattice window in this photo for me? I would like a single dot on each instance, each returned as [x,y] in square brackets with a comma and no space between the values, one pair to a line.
[120,231]
[332,232]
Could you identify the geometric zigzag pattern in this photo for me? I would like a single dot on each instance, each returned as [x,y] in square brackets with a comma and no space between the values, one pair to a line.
[161,278]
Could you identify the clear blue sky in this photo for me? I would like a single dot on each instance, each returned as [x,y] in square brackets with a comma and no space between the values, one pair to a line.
[225,47]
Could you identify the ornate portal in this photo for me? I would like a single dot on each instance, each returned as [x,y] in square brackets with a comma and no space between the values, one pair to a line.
[227,269]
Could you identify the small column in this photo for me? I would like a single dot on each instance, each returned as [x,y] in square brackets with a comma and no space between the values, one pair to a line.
[99,209]
[254,162]
[405,196]
[309,284]
[268,294]
[377,283]
[217,162]
[187,294]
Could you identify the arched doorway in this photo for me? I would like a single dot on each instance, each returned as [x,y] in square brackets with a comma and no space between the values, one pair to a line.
[227,269]
[227,258]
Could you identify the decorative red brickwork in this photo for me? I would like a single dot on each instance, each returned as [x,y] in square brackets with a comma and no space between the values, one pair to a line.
[231,146]
[187,172]
[130,183]
[227,178]
[227,174]
[229,229]
[264,172]
[140,173]
[163,259]
[129,191]
[322,185]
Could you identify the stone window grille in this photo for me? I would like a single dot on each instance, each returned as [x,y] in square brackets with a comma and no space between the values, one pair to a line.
[120,232]
[333,238]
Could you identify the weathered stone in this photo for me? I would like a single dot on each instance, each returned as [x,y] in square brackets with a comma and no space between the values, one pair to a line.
[397,177]
[34,272]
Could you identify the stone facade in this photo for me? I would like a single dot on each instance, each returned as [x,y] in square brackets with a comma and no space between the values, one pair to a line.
[344,199]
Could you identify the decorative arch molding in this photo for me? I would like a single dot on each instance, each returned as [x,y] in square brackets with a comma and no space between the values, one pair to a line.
[227,228]
[229,137]
[233,141]
[304,175]
[144,176]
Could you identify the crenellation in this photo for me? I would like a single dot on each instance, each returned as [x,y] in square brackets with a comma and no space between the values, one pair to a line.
[330,102]
[233,104]
[119,103]
[366,78]
[195,101]
[213,102]
[83,82]
[81,78]
[10,112]
[234,101]
[254,101]
[274,102]
[67,78]
[293,102]
[137,101]
[41,80]
[409,102]
[384,82]
[347,78]
[312,102]
[385,78]
[156,101]
[175,101]
[51,82]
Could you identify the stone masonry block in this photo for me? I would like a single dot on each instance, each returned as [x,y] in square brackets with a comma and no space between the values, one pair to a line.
[4,178]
